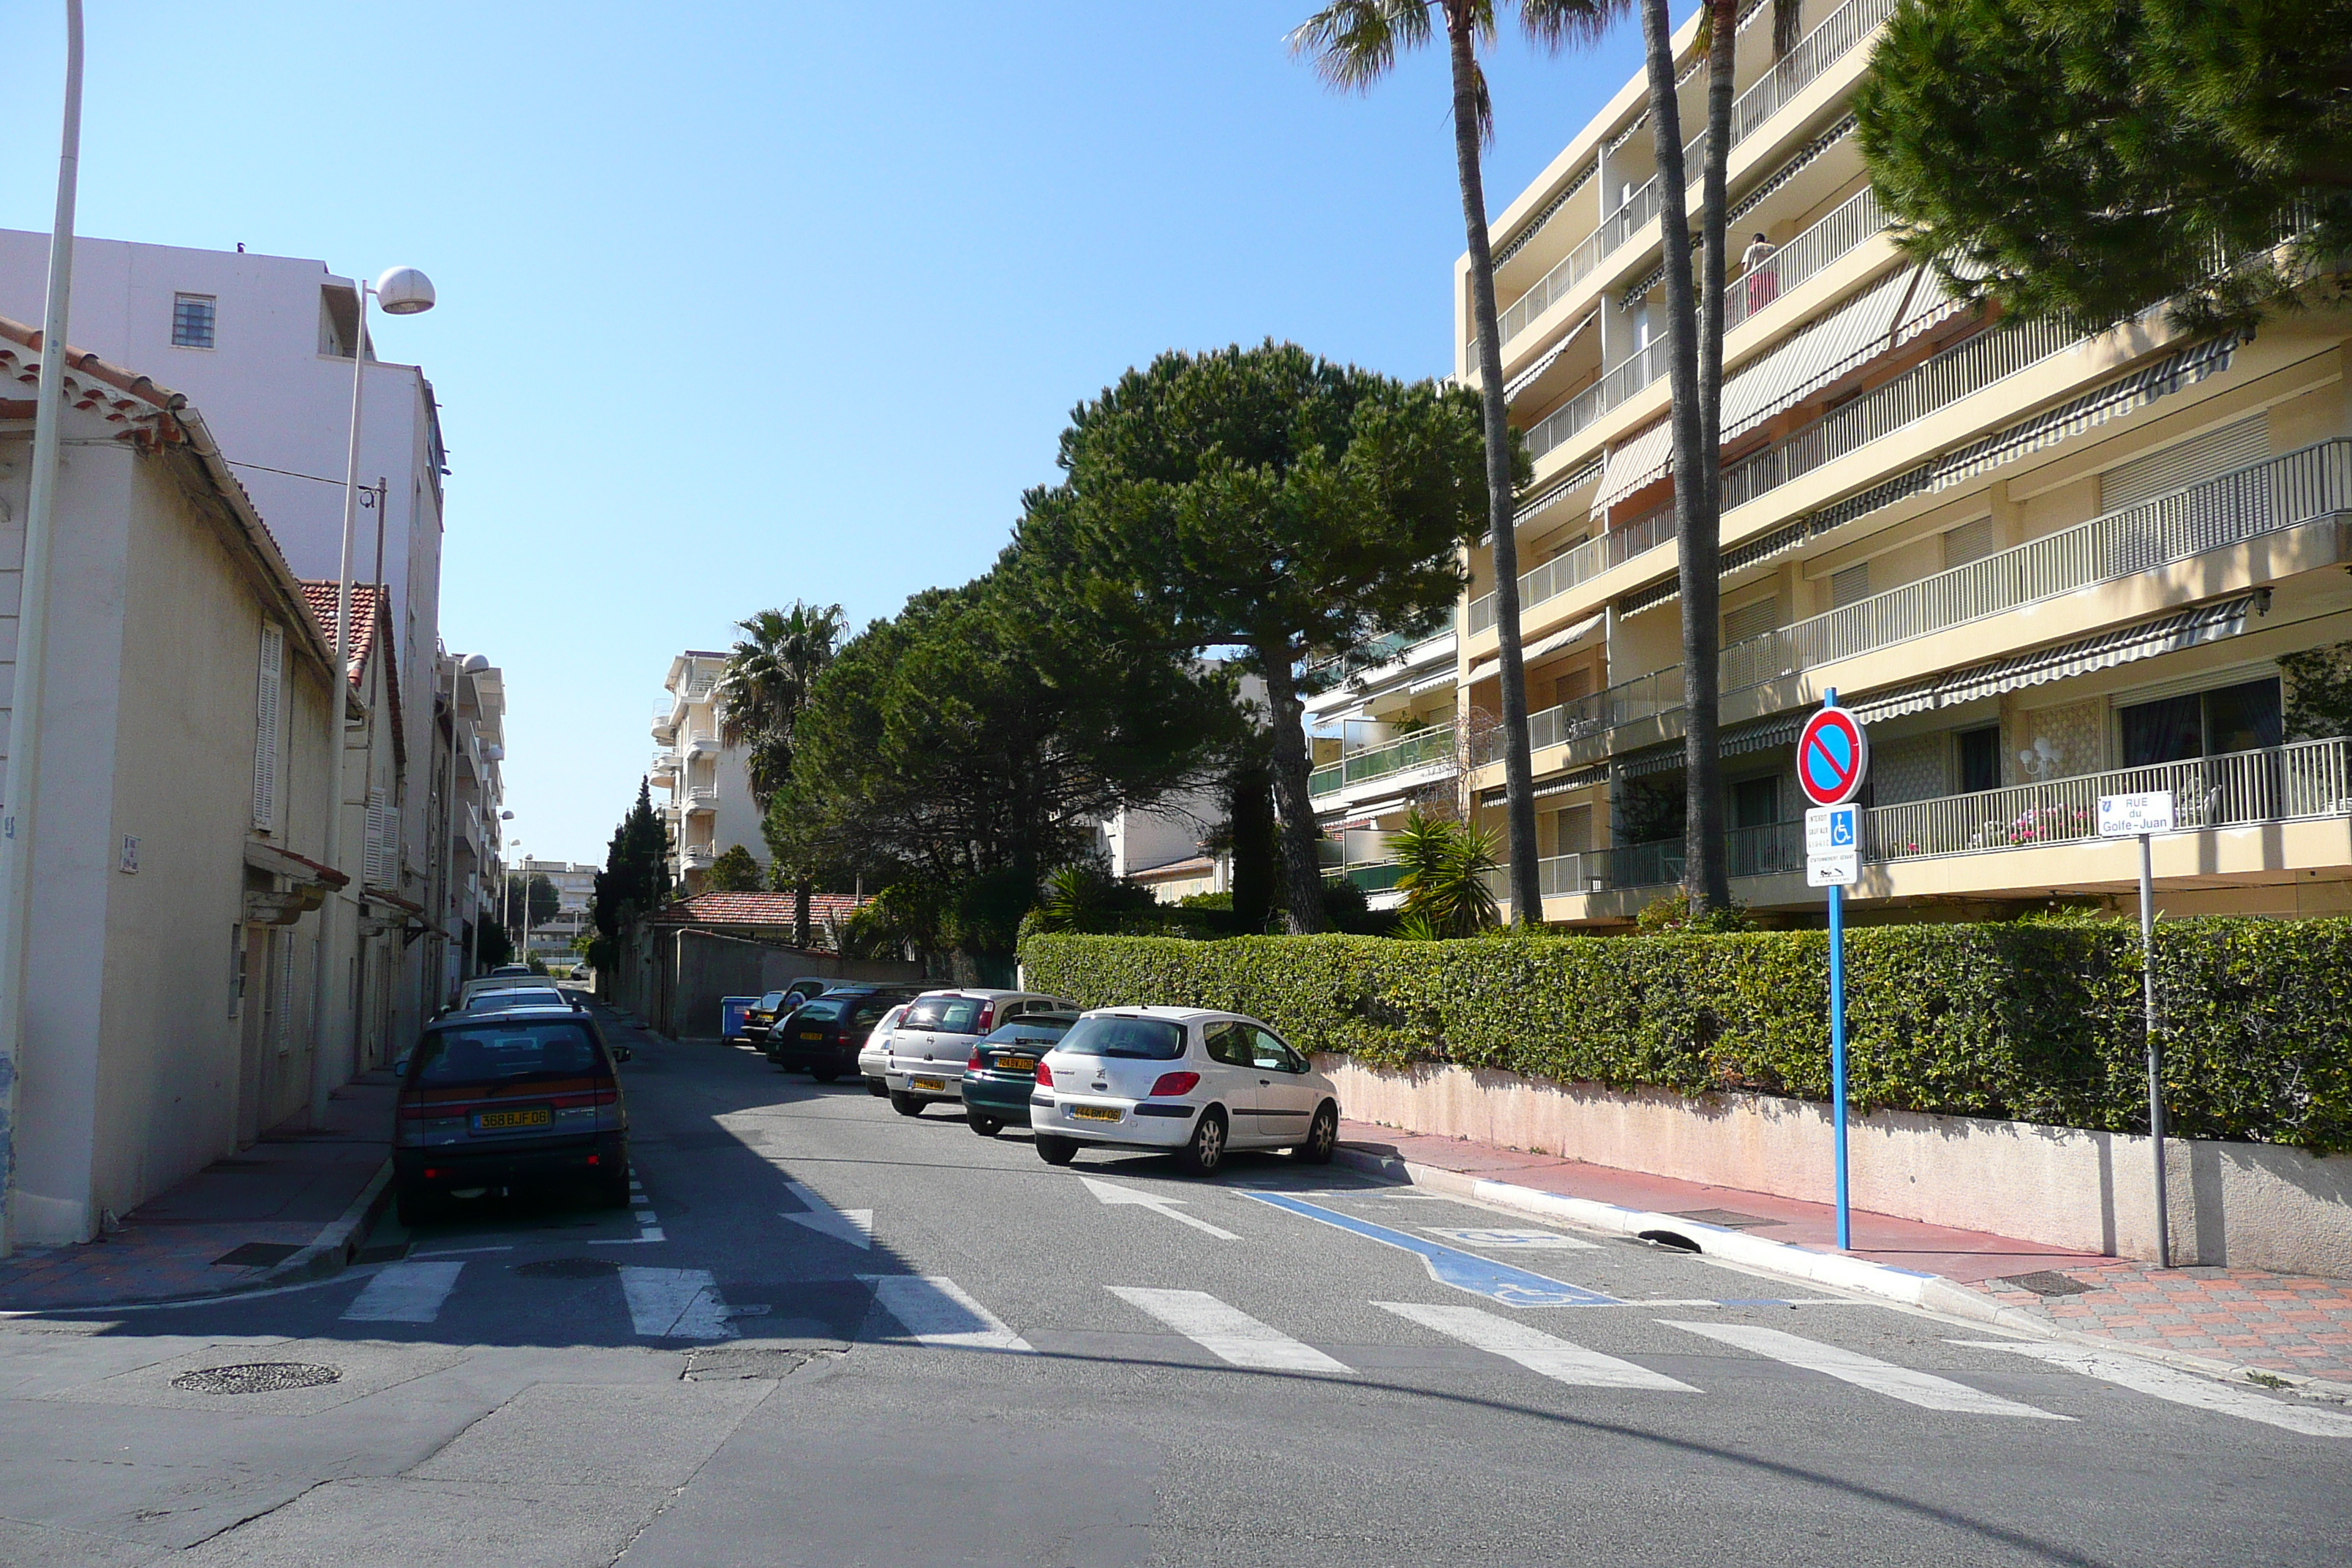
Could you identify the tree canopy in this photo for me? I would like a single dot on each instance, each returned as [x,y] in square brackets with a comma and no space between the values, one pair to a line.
[635,878]
[2085,160]
[765,685]
[734,870]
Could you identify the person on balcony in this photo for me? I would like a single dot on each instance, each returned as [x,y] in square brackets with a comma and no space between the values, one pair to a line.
[1762,276]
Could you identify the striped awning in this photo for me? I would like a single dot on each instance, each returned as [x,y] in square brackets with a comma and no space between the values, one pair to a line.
[2125,644]
[1526,378]
[1541,646]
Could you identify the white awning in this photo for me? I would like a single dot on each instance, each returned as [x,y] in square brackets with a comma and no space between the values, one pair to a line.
[1644,456]
[1541,646]
[1513,387]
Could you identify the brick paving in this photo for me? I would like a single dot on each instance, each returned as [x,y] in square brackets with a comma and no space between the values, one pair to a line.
[2238,1317]
[280,1194]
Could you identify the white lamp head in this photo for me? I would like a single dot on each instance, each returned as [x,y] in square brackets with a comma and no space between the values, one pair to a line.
[494,753]
[476,663]
[403,292]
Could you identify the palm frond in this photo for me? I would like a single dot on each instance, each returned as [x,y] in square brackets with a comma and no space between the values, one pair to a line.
[1560,23]
[1355,43]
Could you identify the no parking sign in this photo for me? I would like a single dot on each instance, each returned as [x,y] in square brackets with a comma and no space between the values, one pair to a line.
[1832,756]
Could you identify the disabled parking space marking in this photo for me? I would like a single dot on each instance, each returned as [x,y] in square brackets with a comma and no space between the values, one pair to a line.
[1511,1240]
[1452,1266]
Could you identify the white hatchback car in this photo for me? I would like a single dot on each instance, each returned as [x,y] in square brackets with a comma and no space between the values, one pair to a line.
[1180,1079]
[874,1055]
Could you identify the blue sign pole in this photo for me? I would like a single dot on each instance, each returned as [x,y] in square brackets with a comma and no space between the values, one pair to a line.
[1837,1056]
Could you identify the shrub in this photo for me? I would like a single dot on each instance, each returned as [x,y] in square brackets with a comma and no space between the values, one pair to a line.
[2029,1021]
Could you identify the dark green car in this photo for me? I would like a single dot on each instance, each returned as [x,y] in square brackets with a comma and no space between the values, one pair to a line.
[1003,1070]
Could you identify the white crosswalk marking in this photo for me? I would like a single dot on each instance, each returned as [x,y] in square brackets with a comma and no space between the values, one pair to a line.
[2180,1387]
[404,1293]
[1921,1388]
[1532,1348]
[1227,1332]
[936,1311]
[675,1304]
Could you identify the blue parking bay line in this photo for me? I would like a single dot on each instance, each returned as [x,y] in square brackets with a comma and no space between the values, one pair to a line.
[1449,1266]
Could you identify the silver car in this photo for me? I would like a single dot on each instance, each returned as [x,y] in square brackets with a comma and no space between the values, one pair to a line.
[874,1055]
[934,1039]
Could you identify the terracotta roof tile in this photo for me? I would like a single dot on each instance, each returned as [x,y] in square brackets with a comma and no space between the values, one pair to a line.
[755,909]
[365,597]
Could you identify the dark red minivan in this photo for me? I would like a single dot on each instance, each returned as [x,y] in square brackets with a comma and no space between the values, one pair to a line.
[521,1097]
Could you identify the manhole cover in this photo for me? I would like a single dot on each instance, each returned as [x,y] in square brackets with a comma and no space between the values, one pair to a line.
[2048,1282]
[256,1377]
[567,1269]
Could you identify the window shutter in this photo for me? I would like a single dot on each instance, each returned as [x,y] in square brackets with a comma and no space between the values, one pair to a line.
[382,846]
[2191,462]
[1970,542]
[1849,586]
[269,727]
[282,1024]
[1751,620]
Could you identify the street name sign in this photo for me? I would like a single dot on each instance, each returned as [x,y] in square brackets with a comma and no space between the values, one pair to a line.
[2129,815]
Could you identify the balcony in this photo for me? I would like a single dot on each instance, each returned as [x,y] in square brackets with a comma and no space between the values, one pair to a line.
[702,802]
[1374,875]
[1820,49]
[697,856]
[700,746]
[1419,749]
[1585,562]
[665,765]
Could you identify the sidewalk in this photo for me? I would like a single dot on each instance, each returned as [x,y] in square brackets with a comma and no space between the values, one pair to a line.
[2229,1318]
[296,1203]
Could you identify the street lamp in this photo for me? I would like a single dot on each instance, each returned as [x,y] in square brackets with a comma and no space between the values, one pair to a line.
[405,291]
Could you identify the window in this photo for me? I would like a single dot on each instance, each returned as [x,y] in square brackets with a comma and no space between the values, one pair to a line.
[1756,802]
[1970,542]
[2190,462]
[1229,1043]
[267,694]
[1750,620]
[1980,757]
[1573,687]
[1270,1055]
[2242,717]
[946,1015]
[192,320]
[1572,831]
[490,1053]
[1149,1039]
[1849,586]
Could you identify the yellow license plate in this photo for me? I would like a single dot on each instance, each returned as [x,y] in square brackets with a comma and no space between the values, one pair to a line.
[1094,1114]
[499,1120]
[1016,1064]
[806,1036]
[932,1083]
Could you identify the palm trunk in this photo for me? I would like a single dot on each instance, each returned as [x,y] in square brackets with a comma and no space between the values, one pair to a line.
[1696,481]
[1518,773]
[1302,874]
[802,931]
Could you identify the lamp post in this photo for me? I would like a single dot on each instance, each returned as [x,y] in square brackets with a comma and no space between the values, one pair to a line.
[403,291]
[19,794]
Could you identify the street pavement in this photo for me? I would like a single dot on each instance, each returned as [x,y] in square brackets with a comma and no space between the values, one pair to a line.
[830,1335]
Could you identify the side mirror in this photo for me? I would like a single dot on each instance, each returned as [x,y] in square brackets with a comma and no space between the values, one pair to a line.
[400,1065]
[621,1053]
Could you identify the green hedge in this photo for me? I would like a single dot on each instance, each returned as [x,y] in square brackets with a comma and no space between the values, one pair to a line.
[2026,1022]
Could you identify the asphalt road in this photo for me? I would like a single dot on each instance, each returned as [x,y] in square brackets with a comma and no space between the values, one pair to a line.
[833,1336]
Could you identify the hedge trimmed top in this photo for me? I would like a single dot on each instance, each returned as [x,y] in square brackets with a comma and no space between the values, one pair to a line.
[2026,1022]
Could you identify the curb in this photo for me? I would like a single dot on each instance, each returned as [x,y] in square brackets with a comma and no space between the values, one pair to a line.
[1905,1286]
[332,1251]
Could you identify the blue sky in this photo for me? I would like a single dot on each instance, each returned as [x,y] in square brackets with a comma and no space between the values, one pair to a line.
[744,303]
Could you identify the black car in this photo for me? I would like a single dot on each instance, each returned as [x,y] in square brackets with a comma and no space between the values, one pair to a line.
[763,1015]
[1002,1071]
[822,1035]
[522,1096]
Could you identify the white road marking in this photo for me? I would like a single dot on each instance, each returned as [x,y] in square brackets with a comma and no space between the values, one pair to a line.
[1920,1388]
[1228,1332]
[1510,1240]
[2179,1387]
[1114,1195]
[675,1303]
[404,1293]
[854,1227]
[935,1311]
[459,1251]
[1532,1348]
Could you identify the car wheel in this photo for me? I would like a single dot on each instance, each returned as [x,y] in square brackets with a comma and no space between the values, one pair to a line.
[1056,1151]
[824,1075]
[613,1191]
[876,1087]
[986,1126]
[1205,1150]
[414,1205]
[1322,1137]
[905,1104]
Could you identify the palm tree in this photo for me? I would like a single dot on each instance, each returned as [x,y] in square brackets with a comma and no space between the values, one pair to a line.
[762,691]
[1445,876]
[1354,44]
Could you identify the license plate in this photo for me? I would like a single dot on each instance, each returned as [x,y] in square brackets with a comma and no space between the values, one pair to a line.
[1094,1112]
[806,1036]
[931,1083]
[501,1120]
[1016,1063]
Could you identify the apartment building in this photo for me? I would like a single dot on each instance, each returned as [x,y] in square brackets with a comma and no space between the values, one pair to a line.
[264,345]
[1385,737]
[710,809]
[468,810]
[2041,566]
[549,941]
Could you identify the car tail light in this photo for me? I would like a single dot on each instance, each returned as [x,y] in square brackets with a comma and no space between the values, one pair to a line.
[1044,1075]
[1175,1083]
[975,1065]
[987,1016]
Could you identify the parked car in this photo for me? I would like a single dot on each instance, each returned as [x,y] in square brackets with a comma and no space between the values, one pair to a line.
[519,1097]
[522,996]
[506,969]
[1186,1080]
[822,1035]
[1001,1070]
[480,983]
[928,1049]
[874,1055]
[761,1015]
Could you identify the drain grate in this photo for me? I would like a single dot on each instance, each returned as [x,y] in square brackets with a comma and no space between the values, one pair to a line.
[1730,1219]
[2048,1282]
[255,1255]
[256,1378]
[567,1269]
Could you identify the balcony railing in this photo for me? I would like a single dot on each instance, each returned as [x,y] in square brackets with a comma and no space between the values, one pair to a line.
[2312,483]
[1379,651]
[1814,54]
[1650,696]
[701,800]
[1585,562]
[1375,876]
[1417,750]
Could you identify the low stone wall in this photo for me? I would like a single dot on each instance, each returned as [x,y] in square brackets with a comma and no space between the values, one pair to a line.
[2256,1205]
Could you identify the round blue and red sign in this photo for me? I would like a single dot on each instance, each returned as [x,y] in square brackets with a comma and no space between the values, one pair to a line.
[1832,757]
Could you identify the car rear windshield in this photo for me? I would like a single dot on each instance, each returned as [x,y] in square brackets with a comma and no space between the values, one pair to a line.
[492,1052]
[1027,1029]
[817,1012]
[491,1001]
[1153,1040]
[771,1001]
[945,1014]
